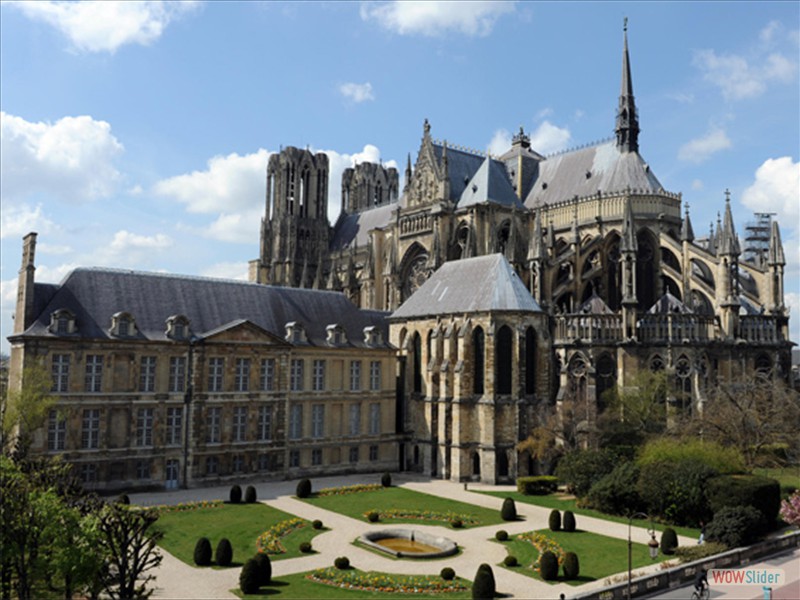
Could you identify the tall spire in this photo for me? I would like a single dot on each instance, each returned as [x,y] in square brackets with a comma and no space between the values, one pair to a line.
[728,241]
[687,233]
[776,255]
[627,127]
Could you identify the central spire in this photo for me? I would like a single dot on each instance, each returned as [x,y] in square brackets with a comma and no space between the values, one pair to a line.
[627,127]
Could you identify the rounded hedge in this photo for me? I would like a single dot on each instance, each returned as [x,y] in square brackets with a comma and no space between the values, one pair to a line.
[509,510]
[456,523]
[554,521]
[303,488]
[447,574]
[249,579]
[224,553]
[316,524]
[202,552]
[669,541]
[250,494]
[373,517]
[510,561]
[569,521]
[305,547]
[386,480]
[236,494]
[735,526]
[341,563]
[571,566]
[548,566]
[123,499]
[483,585]
[501,536]
[264,568]
[762,493]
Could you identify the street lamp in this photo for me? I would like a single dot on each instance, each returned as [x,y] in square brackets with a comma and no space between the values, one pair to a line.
[652,544]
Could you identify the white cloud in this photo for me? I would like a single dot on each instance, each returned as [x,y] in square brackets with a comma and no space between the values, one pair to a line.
[501,141]
[776,189]
[544,113]
[701,149]
[105,26]
[71,159]
[739,78]
[338,163]
[792,300]
[228,270]
[53,249]
[697,184]
[18,221]
[767,34]
[132,249]
[431,18]
[549,138]
[357,92]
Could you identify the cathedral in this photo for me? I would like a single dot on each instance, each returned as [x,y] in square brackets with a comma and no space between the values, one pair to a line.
[609,258]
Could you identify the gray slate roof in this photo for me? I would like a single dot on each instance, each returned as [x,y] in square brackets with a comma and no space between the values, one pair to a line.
[481,284]
[610,170]
[354,228]
[489,184]
[461,167]
[93,295]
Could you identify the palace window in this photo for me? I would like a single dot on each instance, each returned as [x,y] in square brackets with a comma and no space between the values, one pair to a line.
[90,429]
[294,458]
[174,423]
[296,375]
[242,380]
[213,433]
[264,423]
[216,367]
[144,427]
[316,457]
[212,465]
[335,335]
[142,469]
[56,431]
[267,374]
[94,373]
[237,463]
[239,423]
[147,374]
[355,375]
[355,419]
[177,374]
[318,420]
[177,328]
[354,454]
[375,375]
[318,383]
[122,325]
[62,322]
[296,422]
[374,418]
[60,371]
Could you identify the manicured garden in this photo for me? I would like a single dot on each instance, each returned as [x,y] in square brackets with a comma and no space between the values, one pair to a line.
[242,524]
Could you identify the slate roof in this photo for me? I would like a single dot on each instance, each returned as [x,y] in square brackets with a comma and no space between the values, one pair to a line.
[610,170]
[461,167]
[669,304]
[355,228]
[481,284]
[93,295]
[489,184]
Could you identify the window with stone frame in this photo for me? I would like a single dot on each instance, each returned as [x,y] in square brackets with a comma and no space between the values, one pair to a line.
[60,372]
[93,381]
[177,374]
[174,426]
[147,374]
[264,423]
[318,420]
[62,322]
[318,379]
[213,432]
[355,419]
[240,424]
[89,473]
[294,458]
[295,421]
[123,325]
[237,463]
[355,375]
[354,454]
[142,469]
[56,431]
[267,382]
[90,429]
[144,427]
[178,328]
[374,418]
[216,369]
[373,453]
[375,375]
[316,457]
[242,375]
[296,375]
[212,465]
[263,462]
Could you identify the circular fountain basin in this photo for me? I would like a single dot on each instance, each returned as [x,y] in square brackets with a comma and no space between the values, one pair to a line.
[408,543]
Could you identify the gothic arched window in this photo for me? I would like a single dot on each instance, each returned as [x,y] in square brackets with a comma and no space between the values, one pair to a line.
[503,361]
[478,351]
[530,361]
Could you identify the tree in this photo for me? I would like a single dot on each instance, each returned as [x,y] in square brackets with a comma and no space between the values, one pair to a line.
[641,406]
[790,509]
[25,410]
[130,542]
[752,414]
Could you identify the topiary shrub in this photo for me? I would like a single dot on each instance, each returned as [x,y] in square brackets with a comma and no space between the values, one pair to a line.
[249,580]
[447,574]
[305,547]
[548,566]
[316,524]
[571,566]
[510,561]
[762,493]
[250,494]
[202,552]
[224,553]
[264,568]
[554,522]
[568,523]
[236,494]
[735,526]
[456,523]
[373,516]
[501,536]
[676,491]
[617,492]
[539,485]
[669,541]
[123,499]
[303,488]
[509,510]
[483,585]
[386,480]
[342,563]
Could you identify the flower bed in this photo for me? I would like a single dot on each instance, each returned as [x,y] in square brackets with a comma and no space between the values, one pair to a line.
[385,582]
[350,489]
[423,515]
[542,543]
[187,506]
[269,542]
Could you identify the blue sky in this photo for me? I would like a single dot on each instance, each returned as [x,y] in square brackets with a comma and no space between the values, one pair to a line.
[136,135]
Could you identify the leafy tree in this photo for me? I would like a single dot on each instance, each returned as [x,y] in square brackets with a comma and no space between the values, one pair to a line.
[25,410]
[581,469]
[735,526]
[616,493]
[717,456]
[641,406]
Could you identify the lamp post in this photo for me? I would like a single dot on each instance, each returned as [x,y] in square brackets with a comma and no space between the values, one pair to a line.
[652,544]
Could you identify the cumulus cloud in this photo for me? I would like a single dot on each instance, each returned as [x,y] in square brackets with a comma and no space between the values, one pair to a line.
[18,221]
[132,249]
[105,26]
[701,149]
[501,141]
[72,159]
[432,19]
[228,270]
[739,77]
[357,92]
[776,189]
[549,138]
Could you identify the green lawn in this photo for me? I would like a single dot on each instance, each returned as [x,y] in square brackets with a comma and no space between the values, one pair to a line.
[563,503]
[297,586]
[355,505]
[599,556]
[786,475]
[240,523]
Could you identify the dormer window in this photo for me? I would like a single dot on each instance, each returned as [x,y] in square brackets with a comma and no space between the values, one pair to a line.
[336,335]
[295,333]
[373,336]
[177,327]
[122,325]
[62,322]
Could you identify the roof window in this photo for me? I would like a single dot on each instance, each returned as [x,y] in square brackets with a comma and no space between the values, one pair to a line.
[62,322]
[122,325]
[336,335]
[177,327]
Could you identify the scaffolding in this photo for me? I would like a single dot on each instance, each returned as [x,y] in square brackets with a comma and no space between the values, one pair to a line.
[756,239]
